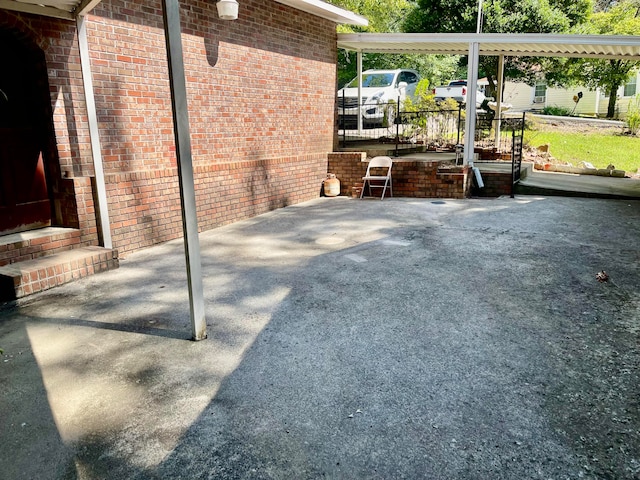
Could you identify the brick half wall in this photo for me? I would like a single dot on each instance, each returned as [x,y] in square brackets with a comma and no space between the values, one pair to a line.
[411,177]
[144,207]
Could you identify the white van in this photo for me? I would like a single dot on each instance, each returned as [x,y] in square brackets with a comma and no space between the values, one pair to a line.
[381,90]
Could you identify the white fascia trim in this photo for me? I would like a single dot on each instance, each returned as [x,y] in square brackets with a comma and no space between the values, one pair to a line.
[45,11]
[328,11]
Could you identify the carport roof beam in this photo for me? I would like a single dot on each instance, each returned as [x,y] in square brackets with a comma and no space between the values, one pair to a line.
[625,47]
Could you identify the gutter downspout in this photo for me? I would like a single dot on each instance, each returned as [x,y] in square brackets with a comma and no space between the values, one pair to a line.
[104,227]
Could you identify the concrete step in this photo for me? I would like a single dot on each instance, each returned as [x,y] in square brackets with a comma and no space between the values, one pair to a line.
[18,247]
[31,276]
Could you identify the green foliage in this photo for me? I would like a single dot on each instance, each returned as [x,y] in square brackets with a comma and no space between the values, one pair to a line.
[500,16]
[432,120]
[620,19]
[424,99]
[387,16]
[556,110]
[633,115]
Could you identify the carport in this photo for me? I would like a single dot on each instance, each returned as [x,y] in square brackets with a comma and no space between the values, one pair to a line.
[493,44]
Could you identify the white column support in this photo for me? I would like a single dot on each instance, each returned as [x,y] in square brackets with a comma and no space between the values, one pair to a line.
[104,227]
[499,86]
[359,64]
[177,82]
[472,86]
[470,121]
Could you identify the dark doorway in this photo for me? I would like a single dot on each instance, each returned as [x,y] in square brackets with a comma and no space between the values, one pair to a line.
[24,116]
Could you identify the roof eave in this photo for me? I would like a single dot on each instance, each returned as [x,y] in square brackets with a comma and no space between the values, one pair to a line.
[327,11]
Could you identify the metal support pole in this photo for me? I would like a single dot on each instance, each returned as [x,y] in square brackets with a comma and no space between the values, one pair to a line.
[171,15]
[479,22]
[472,85]
[470,133]
[359,64]
[397,122]
[104,227]
[498,116]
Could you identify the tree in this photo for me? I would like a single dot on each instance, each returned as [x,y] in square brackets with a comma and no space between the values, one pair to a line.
[499,16]
[621,19]
[388,16]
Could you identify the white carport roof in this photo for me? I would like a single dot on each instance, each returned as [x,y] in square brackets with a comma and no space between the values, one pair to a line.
[522,44]
[493,44]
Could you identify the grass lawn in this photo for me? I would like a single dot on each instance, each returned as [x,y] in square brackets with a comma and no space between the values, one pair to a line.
[596,148]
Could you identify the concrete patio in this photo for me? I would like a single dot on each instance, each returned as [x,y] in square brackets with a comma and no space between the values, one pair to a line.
[348,339]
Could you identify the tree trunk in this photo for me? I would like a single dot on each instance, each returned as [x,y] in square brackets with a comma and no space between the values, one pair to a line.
[613,97]
[491,88]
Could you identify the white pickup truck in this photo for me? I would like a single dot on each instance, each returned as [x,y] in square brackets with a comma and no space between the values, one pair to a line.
[456,90]
[381,90]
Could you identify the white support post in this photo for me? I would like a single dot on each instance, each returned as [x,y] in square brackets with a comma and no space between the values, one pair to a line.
[498,115]
[101,192]
[177,83]
[472,85]
[470,130]
[359,65]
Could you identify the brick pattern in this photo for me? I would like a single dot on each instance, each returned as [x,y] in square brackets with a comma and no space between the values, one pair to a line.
[349,168]
[145,206]
[30,248]
[411,178]
[495,185]
[25,278]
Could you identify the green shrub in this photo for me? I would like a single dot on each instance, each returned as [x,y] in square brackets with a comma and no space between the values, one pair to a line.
[633,115]
[556,111]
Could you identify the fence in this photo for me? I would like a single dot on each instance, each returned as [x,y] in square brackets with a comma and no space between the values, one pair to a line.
[386,123]
[494,139]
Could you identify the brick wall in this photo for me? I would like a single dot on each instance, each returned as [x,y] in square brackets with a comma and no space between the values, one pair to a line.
[411,178]
[349,168]
[261,96]
[496,184]
[145,206]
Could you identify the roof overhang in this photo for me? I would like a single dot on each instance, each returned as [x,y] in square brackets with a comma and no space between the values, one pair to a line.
[526,44]
[71,9]
[65,9]
[327,11]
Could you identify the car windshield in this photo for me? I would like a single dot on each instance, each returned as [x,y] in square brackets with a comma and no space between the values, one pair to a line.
[373,80]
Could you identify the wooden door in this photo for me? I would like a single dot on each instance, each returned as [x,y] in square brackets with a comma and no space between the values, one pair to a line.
[24,197]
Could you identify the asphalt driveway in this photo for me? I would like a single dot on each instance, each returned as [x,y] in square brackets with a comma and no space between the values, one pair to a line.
[348,339]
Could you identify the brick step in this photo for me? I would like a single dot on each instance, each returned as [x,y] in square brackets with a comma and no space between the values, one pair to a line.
[18,247]
[30,276]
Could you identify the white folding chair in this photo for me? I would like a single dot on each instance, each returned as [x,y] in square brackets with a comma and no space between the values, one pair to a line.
[378,165]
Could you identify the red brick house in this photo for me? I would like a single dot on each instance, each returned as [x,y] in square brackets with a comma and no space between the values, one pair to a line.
[261,98]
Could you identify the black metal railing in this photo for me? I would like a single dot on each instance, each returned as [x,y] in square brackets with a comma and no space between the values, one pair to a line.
[501,140]
[517,143]
[401,129]
[494,138]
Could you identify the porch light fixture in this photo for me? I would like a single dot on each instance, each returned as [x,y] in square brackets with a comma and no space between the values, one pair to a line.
[227,9]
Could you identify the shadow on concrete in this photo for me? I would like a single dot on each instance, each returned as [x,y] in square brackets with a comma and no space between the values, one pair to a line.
[358,339]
